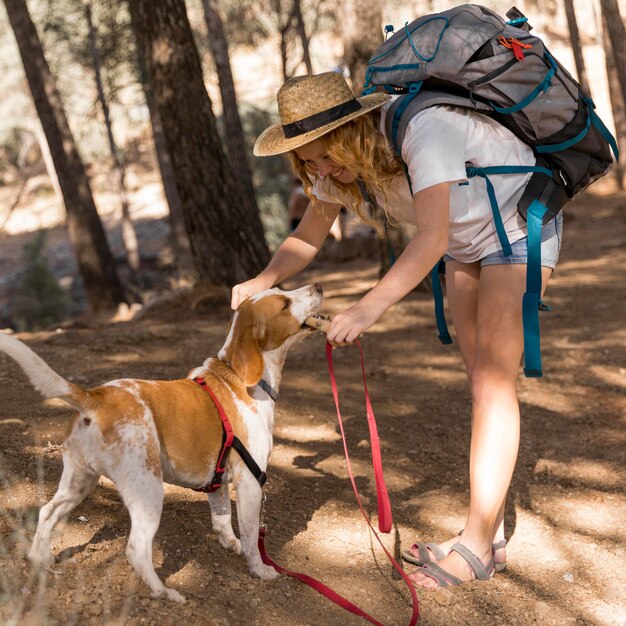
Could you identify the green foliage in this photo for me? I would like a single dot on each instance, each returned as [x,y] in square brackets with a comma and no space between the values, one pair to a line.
[65,33]
[63,29]
[40,300]
[252,22]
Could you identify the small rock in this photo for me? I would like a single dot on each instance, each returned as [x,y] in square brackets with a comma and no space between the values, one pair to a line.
[254,603]
[94,610]
[542,610]
[83,519]
[569,577]
[442,597]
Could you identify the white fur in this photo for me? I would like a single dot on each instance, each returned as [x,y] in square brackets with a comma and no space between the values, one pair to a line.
[42,377]
[128,456]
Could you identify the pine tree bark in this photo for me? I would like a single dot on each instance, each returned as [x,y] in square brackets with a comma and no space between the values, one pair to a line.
[227,243]
[178,233]
[95,261]
[617,36]
[235,140]
[284,23]
[300,28]
[577,48]
[618,107]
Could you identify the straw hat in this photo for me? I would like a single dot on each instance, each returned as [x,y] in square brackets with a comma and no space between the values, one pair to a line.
[311,106]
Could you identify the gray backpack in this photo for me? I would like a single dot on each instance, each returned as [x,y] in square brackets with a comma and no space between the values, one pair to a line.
[468,56]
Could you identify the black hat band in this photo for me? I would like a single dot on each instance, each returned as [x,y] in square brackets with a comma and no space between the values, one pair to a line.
[313,122]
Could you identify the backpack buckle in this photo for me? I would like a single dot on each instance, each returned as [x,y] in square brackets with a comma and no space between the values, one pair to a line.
[515,45]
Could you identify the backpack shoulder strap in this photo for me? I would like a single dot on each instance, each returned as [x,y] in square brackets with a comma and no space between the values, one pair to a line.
[406,107]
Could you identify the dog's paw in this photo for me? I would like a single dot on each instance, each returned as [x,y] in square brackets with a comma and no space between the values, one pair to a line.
[264,572]
[170,594]
[230,543]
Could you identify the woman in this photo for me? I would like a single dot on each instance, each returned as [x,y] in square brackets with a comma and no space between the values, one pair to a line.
[335,140]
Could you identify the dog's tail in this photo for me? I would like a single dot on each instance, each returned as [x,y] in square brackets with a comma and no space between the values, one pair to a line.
[43,378]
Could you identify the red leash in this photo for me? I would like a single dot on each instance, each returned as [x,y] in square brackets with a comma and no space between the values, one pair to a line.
[384,507]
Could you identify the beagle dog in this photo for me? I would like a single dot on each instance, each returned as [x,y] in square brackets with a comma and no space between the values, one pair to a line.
[141,433]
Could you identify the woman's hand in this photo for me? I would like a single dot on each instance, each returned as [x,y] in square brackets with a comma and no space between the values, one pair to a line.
[348,326]
[251,287]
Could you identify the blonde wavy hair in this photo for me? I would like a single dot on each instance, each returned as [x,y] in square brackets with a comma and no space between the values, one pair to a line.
[360,147]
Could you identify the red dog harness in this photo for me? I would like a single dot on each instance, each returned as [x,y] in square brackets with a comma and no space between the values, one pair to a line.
[229,440]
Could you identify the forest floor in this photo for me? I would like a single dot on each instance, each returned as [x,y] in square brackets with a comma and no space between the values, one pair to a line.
[565,516]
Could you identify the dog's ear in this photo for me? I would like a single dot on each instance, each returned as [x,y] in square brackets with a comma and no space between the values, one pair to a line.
[246,359]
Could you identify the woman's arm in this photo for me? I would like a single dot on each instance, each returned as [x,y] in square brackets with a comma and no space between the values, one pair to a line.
[432,207]
[294,254]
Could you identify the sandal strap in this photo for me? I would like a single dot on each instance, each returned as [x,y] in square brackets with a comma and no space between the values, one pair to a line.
[499,544]
[481,572]
[439,575]
[434,548]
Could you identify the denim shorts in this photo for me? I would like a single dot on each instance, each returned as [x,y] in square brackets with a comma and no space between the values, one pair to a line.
[551,236]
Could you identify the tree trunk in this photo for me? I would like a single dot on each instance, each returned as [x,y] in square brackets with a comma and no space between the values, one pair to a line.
[284,23]
[577,49]
[306,57]
[362,28]
[617,37]
[178,233]
[48,162]
[129,235]
[227,243]
[179,238]
[617,105]
[95,262]
[235,140]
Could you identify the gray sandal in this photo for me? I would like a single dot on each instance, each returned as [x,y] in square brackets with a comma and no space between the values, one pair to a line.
[445,579]
[499,567]
[426,549]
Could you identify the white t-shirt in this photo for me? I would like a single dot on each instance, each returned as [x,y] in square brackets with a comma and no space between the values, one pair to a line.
[438,143]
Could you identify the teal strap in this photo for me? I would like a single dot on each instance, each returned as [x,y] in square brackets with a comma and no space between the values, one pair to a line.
[531,302]
[401,41]
[442,327]
[511,169]
[395,124]
[542,86]
[604,131]
[485,172]
[557,147]
[495,209]
[415,50]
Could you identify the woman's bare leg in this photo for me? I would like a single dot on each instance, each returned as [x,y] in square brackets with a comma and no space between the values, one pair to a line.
[495,410]
[462,281]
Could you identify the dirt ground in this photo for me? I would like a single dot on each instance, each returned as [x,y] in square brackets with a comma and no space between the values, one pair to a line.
[566,514]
